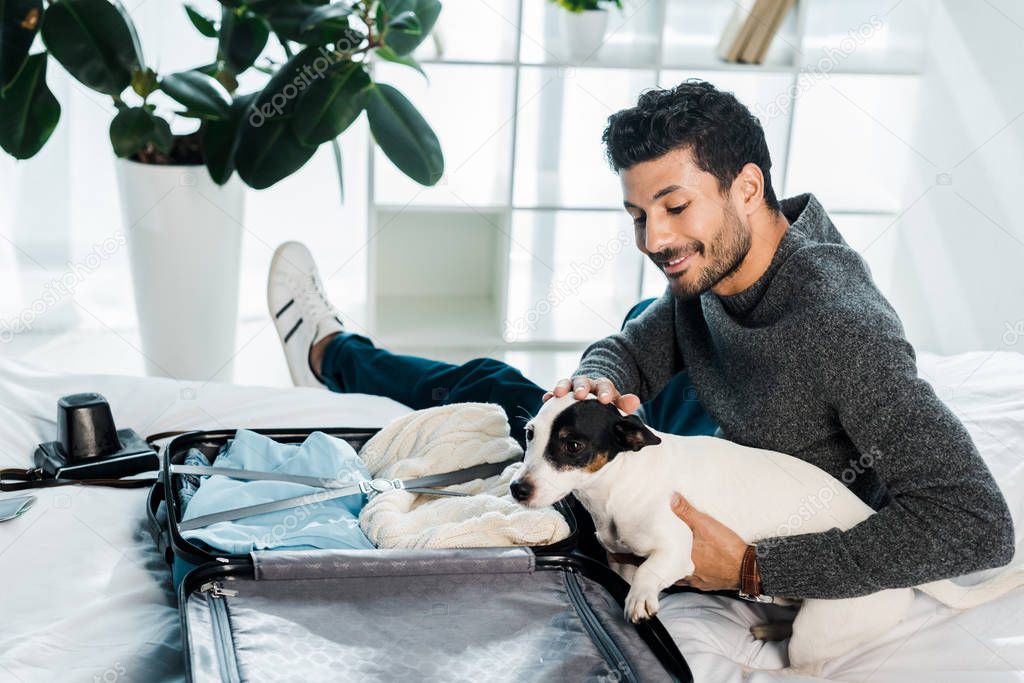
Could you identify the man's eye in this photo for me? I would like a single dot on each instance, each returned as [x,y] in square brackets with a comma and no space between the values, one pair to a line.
[639,220]
[573,446]
[677,209]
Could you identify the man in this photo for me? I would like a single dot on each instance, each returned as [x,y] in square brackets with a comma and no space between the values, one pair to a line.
[786,340]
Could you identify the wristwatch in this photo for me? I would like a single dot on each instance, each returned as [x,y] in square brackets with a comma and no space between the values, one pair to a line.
[750,578]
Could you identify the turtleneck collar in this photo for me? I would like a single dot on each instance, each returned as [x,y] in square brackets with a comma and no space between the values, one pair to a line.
[805,215]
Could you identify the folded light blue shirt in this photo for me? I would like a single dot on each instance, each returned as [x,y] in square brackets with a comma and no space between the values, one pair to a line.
[325,524]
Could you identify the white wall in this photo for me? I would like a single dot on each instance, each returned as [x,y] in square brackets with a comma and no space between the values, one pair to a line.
[958,279]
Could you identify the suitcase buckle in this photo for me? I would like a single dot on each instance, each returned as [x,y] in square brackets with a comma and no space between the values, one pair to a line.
[372,487]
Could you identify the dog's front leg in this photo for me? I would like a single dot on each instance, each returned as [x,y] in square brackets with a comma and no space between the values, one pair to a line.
[662,568]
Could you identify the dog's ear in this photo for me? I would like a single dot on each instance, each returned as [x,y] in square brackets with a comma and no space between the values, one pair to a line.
[631,434]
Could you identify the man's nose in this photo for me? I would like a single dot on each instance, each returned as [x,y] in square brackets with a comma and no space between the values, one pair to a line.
[521,489]
[657,235]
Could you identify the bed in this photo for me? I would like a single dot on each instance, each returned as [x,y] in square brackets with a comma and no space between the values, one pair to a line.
[84,596]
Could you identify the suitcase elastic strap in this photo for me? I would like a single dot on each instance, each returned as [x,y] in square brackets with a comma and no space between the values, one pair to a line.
[334,489]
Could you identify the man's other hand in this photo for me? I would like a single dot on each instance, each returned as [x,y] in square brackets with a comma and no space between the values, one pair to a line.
[605,391]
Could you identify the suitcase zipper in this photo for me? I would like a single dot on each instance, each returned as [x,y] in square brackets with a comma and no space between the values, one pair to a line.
[215,593]
[604,642]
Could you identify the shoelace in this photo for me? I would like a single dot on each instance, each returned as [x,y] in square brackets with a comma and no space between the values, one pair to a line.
[314,299]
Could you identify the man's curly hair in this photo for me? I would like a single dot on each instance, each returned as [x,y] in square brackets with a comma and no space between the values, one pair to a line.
[719,131]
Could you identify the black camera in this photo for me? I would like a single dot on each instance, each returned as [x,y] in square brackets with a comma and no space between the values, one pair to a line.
[89,446]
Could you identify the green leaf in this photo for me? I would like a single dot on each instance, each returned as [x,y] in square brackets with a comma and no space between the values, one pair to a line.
[298,22]
[330,105]
[93,41]
[203,25]
[130,130]
[135,127]
[406,22]
[268,149]
[325,13]
[242,39]
[163,138]
[385,52]
[199,92]
[403,135]
[220,140]
[269,153]
[426,12]
[281,92]
[144,82]
[28,111]
[19,21]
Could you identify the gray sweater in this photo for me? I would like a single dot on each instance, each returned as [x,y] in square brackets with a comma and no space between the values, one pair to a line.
[811,360]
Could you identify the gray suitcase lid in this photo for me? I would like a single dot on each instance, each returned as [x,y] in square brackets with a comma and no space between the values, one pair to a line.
[496,614]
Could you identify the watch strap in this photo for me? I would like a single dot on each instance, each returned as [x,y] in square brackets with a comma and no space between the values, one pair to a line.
[750,577]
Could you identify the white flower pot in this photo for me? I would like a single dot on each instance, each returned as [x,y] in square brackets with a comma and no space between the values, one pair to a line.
[184,237]
[583,33]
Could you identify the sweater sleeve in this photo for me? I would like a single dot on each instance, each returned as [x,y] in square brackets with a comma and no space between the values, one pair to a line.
[643,357]
[946,516]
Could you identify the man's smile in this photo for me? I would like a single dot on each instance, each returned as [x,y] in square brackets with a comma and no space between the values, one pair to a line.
[676,265]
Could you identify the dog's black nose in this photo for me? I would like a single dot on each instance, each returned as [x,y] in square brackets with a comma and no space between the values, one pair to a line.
[521,490]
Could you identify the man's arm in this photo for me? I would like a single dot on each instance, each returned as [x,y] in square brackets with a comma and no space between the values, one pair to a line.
[947,517]
[643,357]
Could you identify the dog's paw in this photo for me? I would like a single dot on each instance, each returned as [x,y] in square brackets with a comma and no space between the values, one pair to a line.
[641,605]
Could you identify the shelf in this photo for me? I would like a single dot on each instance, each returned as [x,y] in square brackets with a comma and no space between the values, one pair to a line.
[572,275]
[437,276]
[528,191]
[473,129]
[437,321]
[632,36]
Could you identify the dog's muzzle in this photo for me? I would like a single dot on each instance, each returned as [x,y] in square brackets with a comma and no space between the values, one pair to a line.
[521,490]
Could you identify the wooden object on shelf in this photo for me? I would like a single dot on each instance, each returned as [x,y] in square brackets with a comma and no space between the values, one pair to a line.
[737,30]
[750,30]
[768,27]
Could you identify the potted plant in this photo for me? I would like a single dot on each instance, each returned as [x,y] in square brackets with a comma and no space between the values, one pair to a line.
[183,195]
[584,24]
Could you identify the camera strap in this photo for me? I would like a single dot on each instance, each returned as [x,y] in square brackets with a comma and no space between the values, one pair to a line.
[15,479]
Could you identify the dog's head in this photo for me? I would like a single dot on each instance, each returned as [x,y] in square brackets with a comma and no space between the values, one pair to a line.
[568,442]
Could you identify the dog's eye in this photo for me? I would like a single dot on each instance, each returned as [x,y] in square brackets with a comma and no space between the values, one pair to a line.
[529,433]
[573,446]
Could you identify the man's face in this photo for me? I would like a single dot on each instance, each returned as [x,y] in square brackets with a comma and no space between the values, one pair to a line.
[683,222]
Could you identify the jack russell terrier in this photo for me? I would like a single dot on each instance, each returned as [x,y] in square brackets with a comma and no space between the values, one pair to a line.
[581,447]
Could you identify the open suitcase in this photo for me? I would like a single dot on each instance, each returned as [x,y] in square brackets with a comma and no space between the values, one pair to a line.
[488,614]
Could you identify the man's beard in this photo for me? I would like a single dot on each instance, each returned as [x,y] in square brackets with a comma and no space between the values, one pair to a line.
[722,256]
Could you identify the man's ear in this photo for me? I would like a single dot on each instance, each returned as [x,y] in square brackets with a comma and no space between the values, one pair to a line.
[631,434]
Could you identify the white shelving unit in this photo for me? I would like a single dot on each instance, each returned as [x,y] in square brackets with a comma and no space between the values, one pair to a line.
[524,243]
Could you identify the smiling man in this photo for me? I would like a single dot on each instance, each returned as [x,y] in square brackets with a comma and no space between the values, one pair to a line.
[792,348]
[770,320]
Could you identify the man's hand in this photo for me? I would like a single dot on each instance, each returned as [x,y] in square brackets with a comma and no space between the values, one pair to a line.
[602,388]
[717,550]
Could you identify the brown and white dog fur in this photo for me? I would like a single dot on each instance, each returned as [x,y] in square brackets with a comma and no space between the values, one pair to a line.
[624,473]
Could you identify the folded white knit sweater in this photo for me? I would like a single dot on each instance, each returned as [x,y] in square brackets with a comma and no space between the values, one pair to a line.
[444,439]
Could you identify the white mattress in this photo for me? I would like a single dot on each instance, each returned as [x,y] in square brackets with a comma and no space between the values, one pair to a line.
[84,596]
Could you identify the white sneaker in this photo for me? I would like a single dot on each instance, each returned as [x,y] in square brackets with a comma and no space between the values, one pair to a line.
[300,309]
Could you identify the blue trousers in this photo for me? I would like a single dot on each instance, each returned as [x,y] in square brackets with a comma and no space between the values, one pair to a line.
[352,364]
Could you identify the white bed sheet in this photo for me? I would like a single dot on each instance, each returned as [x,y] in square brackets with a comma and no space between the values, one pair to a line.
[85,597]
